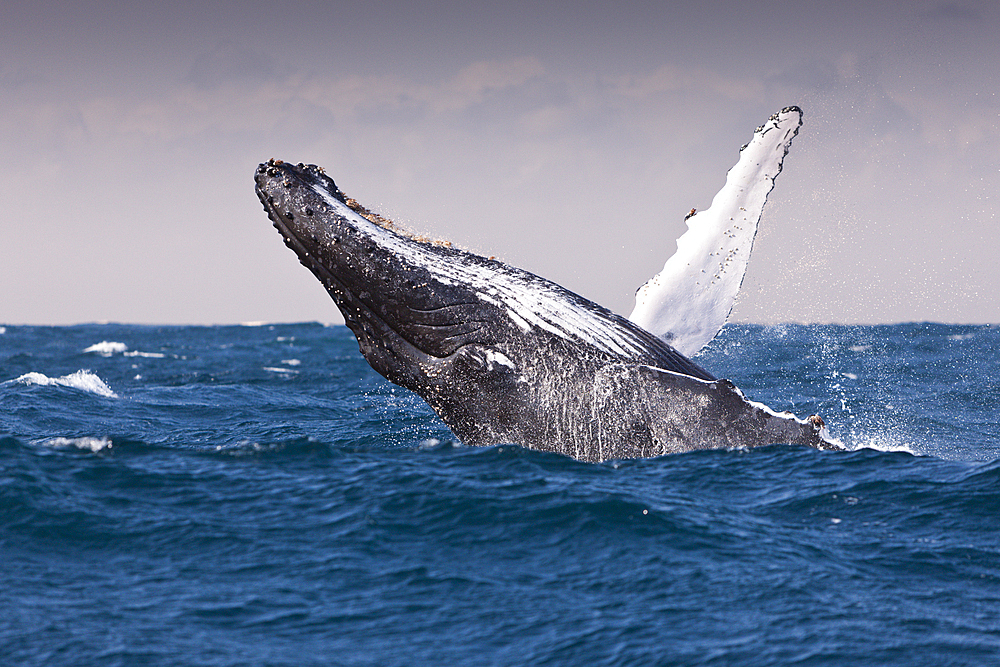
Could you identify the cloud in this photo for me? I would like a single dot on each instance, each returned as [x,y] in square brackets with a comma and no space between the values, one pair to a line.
[671,79]
[476,81]
[229,62]
[952,12]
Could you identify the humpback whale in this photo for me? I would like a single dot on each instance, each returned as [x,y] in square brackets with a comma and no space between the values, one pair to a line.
[505,356]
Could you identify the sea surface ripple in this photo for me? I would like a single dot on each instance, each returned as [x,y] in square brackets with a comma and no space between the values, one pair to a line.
[257,495]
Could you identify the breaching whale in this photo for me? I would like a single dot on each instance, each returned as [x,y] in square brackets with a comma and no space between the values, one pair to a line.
[503,355]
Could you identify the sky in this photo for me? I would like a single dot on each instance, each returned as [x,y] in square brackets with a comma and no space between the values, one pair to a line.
[567,138]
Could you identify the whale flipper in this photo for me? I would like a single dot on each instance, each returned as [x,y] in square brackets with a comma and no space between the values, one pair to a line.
[687,302]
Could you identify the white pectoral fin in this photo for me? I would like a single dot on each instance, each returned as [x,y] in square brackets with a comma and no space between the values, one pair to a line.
[688,302]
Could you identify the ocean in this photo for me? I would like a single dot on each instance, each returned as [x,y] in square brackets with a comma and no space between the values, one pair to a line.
[257,495]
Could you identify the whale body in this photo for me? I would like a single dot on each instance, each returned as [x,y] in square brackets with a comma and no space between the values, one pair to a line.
[505,356]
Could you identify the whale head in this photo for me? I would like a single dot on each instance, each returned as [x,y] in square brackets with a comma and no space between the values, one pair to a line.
[403,315]
[492,348]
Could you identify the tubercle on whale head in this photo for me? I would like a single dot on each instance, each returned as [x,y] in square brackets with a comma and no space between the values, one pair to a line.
[317,176]
[306,189]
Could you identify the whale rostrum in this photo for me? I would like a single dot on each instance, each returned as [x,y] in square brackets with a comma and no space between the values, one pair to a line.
[505,356]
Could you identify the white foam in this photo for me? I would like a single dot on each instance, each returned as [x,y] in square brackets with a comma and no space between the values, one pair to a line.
[291,362]
[106,348]
[90,444]
[82,380]
[881,442]
[687,302]
[150,355]
[275,369]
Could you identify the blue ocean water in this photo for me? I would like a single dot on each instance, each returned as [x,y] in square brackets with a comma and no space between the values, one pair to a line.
[259,496]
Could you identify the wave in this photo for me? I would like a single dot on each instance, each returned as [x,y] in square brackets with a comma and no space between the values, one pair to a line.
[106,348]
[278,369]
[86,443]
[83,380]
[883,442]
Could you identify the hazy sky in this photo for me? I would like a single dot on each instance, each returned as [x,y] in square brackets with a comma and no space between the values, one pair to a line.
[569,139]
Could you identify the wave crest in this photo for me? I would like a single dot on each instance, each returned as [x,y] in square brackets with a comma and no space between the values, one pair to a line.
[83,380]
[87,443]
[106,348]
